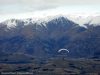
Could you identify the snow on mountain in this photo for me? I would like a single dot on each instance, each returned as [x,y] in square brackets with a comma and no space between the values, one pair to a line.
[45,16]
[10,23]
[92,19]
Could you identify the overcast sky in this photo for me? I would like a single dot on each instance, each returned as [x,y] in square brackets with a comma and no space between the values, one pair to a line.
[27,8]
[21,6]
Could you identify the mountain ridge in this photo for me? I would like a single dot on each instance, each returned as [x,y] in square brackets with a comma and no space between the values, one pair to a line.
[78,19]
[13,22]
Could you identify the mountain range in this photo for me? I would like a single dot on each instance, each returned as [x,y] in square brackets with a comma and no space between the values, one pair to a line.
[26,39]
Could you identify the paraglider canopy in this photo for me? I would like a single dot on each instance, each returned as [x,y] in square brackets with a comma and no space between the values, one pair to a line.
[60,50]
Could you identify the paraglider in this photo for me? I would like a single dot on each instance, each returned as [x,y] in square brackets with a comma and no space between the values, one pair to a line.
[63,50]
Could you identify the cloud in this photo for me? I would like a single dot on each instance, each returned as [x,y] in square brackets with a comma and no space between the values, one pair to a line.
[50,1]
[18,6]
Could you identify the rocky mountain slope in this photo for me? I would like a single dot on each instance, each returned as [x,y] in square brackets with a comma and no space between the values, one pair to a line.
[29,38]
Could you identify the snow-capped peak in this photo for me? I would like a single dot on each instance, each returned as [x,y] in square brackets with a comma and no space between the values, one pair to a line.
[45,16]
[89,19]
[10,23]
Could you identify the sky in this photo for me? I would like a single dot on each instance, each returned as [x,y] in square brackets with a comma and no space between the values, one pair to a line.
[13,7]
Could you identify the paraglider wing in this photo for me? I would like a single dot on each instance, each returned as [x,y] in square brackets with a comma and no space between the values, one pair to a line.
[63,50]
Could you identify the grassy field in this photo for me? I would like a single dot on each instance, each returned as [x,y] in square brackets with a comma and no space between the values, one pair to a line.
[55,66]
